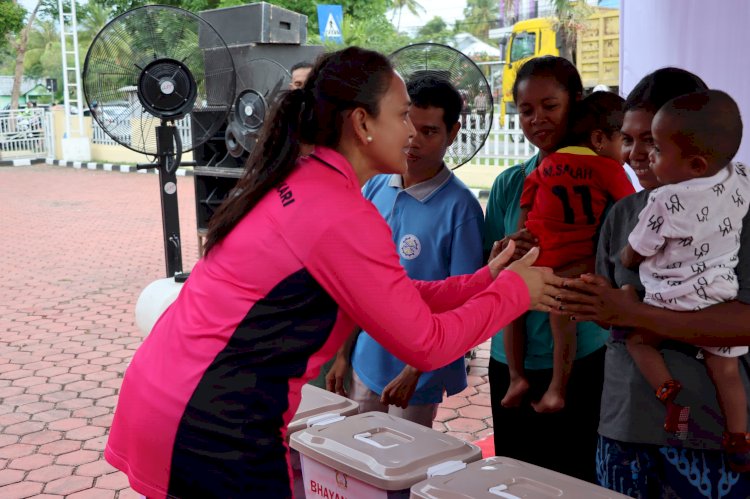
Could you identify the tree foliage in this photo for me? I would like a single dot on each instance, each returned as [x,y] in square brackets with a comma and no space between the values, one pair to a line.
[365,24]
[411,5]
[11,19]
[435,30]
[479,17]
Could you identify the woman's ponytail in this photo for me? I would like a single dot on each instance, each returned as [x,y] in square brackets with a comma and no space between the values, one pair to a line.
[271,161]
[340,81]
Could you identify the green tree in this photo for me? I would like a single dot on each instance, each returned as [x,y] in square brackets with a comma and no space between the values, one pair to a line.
[43,55]
[91,19]
[480,16]
[411,5]
[11,20]
[19,43]
[375,33]
[436,30]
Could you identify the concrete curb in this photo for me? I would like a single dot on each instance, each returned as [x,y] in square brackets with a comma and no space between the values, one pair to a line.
[109,167]
[22,162]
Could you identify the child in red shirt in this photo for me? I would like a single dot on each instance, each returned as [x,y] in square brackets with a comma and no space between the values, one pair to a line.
[562,204]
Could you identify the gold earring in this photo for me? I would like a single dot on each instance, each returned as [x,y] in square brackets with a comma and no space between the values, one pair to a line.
[369,138]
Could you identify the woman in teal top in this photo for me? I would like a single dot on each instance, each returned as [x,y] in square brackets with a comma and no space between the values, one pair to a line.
[545,90]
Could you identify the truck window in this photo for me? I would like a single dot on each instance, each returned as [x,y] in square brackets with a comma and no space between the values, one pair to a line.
[522,46]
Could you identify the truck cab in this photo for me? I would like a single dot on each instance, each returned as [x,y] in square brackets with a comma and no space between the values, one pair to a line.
[529,38]
[597,51]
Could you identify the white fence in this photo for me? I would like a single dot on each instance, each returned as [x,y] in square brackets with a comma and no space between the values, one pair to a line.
[28,133]
[25,133]
[505,144]
[123,129]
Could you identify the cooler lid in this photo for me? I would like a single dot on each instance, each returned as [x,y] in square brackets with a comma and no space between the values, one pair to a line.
[315,402]
[384,451]
[506,478]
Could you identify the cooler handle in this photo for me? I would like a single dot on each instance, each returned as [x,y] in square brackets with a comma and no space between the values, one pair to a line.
[498,491]
[445,468]
[323,419]
[366,438]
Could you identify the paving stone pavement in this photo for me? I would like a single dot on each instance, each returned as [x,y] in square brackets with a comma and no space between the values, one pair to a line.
[78,246]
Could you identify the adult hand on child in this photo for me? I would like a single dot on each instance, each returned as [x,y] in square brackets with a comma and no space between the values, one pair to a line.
[543,285]
[592,298]
[400,390]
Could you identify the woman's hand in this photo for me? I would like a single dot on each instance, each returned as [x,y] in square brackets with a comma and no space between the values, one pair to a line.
[592,298]
[543,285]
[523,241]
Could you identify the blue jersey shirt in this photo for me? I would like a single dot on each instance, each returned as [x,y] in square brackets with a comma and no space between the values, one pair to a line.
[437,227]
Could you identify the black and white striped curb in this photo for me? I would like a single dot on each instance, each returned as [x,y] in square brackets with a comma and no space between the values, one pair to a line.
[22,162]
[109,167]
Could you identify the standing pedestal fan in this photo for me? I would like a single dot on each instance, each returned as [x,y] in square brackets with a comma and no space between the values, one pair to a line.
[457,68]
[144,75]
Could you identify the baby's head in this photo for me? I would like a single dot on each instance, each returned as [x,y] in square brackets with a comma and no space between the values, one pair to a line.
[596,123]
[695,135]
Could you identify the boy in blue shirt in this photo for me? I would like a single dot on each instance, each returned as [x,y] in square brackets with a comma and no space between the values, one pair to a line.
[437,226]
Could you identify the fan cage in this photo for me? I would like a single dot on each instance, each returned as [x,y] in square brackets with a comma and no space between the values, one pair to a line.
[260,81]
[139,38]
[464,74]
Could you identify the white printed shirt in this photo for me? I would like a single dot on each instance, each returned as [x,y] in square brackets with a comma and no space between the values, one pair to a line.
[690,235]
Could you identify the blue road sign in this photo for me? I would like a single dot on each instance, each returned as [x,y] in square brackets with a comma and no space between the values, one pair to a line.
[330,21]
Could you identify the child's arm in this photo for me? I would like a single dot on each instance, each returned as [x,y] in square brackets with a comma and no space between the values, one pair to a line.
[630,258]
[648,237]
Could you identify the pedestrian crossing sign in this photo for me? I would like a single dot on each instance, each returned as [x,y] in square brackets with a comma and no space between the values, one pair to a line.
[330,20]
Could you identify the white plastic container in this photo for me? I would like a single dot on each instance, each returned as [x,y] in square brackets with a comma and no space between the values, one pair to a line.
[375,456]
[316,407]
[503,477]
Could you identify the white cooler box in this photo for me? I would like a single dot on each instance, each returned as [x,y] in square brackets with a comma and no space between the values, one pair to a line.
[503,477]
[375,455]
[316,406]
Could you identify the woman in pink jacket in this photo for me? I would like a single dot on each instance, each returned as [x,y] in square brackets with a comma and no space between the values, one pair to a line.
[293,260]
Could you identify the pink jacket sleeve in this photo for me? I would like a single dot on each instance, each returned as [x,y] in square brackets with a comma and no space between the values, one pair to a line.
[373,289]
[453,292]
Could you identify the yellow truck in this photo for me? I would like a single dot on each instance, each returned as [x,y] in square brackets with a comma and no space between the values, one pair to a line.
[597,51]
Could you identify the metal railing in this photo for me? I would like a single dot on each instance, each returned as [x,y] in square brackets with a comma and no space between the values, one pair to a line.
[24,133]
[505,145]
[124,131]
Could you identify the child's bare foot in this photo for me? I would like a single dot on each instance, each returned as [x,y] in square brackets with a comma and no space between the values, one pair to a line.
[516,390]
[551,401]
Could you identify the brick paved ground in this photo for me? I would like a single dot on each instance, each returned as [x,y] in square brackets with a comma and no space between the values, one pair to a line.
[77,248]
